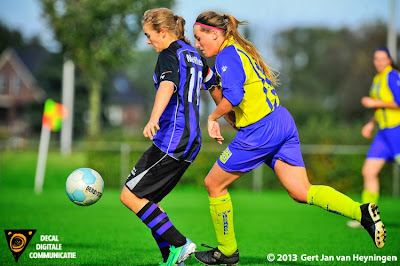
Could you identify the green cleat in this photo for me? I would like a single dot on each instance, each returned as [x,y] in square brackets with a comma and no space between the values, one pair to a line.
[179,254]
[162,263]
[371,221]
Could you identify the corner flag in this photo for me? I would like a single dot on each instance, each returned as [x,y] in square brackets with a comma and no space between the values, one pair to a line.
[53,115]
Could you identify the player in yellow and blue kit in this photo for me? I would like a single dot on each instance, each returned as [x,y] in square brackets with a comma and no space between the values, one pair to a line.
[266,134]
[385,100]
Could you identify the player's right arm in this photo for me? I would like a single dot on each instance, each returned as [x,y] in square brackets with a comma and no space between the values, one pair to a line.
[214,131]
[394,86]
[163,96]
[369,102]
[167,78]
[216,94]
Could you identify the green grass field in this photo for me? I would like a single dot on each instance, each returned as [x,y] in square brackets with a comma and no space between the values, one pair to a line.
[107,233]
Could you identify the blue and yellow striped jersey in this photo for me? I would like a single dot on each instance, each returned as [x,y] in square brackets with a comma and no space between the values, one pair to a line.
[386,87]
[244,84]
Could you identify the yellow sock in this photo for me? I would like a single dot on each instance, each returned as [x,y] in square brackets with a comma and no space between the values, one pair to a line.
[334,201]
[369,196]
[222,216]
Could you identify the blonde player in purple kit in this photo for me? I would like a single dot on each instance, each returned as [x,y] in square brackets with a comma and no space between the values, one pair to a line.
[266,134]
[174,128]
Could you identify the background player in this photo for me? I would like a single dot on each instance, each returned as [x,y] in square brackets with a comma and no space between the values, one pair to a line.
[267,134]
[385,100]
[178,77]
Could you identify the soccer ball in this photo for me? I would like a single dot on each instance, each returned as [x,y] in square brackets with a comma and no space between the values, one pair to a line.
[84,186]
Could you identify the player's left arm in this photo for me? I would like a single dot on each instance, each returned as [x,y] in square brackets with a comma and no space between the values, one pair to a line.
[394,86]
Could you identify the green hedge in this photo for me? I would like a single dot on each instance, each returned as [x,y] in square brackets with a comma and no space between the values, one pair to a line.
[343,172]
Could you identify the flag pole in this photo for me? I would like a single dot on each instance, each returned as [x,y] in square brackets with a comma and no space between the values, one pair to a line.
[42,158]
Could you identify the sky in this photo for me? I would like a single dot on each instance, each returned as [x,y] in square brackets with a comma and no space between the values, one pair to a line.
[264,17]
[287,13]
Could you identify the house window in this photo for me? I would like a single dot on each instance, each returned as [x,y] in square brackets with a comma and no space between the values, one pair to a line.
[3,87]
[16,85]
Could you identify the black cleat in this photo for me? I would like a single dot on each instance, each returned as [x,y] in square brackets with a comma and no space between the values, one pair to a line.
[371,221]
[216,257]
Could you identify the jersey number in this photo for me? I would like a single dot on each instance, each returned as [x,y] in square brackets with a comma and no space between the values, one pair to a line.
[193,86]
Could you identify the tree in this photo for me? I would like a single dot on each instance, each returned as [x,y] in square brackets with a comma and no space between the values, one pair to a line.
[98,36]
[328,71]
[9,38]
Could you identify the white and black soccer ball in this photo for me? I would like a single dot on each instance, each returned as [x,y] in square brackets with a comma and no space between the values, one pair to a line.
[84,186]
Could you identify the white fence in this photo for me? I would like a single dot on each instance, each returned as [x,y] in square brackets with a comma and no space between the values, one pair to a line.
[257,180]
[125,149]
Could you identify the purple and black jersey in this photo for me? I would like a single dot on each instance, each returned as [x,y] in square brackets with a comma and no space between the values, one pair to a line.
[179,135]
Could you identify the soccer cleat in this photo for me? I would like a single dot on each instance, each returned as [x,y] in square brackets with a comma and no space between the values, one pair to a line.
[163,264]
[179,254]
[354,224]
[216,257]
[371,221]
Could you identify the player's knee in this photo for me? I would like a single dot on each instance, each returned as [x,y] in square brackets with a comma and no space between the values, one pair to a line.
[364,172]
[211,185]
[124,197]
[368,174]
[208,183]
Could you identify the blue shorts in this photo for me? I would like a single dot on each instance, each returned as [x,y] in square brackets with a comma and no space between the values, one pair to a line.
[386,145]
[272,138]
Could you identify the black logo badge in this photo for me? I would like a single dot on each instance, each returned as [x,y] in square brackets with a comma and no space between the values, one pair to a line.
[18,240]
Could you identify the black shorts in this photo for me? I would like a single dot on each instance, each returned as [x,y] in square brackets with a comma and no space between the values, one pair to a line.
[155,175]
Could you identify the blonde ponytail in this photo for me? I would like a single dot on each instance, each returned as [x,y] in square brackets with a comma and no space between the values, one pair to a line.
[180,29]
[229,24]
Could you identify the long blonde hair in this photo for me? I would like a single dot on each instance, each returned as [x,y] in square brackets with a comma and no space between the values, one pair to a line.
[229,24]
[166,19]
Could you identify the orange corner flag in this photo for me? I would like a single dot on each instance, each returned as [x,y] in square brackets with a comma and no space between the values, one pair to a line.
[53,115]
